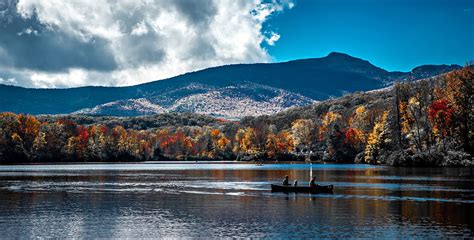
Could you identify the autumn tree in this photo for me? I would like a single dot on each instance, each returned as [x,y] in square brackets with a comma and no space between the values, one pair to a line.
[259,131]
[39,146]
[56,138]
[440,114]
[355,138]
[412,124]
[12,143]
[245,139]
[358,124]
[203,143]
[460,96]
[376,139]
[359,118]
[279,144]
[332,132]
[177,145]
[220,144]
[28,130]
[72,148]
[301,133]
[328,121]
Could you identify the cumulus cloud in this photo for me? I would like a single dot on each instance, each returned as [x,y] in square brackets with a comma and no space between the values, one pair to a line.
[59,43]
[30,45]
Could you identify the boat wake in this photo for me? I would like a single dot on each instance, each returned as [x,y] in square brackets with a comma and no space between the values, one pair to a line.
[343,190]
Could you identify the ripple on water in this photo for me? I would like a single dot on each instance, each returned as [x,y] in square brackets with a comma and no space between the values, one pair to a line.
[238,189]
[414,178]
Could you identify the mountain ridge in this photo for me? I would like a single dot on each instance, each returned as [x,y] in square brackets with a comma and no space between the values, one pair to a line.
[313,78]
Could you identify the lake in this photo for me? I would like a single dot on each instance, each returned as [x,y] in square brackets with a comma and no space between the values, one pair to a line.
[233,200]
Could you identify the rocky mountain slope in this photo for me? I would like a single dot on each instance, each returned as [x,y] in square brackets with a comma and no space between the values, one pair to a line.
[229,102]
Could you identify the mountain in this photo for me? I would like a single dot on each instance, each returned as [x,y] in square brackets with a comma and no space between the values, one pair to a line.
[230,102]
[228,91]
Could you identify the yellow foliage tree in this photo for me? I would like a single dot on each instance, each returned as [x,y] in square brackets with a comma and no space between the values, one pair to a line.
[359,118]
[327,119]
[40,142]
[245,141]
[375,139]
[301,130]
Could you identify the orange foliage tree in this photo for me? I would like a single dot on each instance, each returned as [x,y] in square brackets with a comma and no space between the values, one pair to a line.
[279,143]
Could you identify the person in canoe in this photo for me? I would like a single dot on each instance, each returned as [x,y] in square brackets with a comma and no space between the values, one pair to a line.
[312,183]
[285,181]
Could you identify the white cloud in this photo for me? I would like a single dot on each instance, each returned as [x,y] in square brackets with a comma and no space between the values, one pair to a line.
[73,77]
[153,40]
[291,5]
[8,81]
[140,29]
[28,31]
[272,39]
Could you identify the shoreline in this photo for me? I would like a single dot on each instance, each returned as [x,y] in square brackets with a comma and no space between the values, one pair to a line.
[257,163]
[172,162]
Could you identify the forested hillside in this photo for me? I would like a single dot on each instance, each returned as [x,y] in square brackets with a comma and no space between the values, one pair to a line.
[426,122]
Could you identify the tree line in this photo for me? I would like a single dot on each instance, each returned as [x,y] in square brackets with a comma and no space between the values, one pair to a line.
[427,122]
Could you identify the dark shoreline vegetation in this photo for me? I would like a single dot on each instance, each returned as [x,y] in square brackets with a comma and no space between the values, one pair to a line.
[423,123]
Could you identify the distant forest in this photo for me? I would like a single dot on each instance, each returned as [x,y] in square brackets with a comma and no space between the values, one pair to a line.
[427,122]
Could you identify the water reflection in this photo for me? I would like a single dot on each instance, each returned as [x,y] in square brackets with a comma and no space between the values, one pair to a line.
[174,200]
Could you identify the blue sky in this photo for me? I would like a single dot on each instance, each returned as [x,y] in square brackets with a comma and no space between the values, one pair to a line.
[394,35]
[57,43]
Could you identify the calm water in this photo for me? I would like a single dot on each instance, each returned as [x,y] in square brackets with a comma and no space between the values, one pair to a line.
[227,200]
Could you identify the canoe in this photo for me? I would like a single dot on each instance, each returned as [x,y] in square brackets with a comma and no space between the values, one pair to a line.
[303,189]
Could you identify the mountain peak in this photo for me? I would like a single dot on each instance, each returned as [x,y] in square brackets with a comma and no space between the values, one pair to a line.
[345,58]
[346,62]
[339,55]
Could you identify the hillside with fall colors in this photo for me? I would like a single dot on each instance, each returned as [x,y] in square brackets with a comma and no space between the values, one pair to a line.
[421,123]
